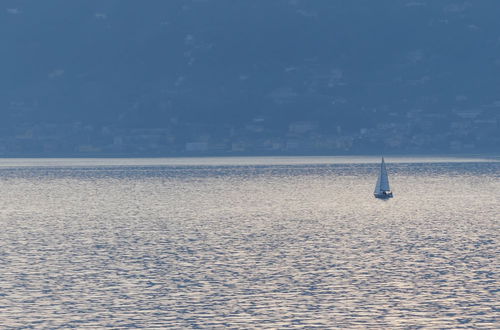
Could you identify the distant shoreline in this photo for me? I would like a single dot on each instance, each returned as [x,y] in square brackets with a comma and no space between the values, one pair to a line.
[83,162]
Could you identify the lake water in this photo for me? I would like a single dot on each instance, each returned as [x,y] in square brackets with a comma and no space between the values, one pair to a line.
[249,243]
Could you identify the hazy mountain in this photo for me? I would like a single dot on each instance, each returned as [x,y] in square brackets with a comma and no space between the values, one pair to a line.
[222,64]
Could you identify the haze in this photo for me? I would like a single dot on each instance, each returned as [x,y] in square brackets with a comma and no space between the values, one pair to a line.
[225,77]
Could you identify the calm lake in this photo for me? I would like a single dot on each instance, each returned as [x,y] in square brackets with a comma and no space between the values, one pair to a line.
[249,243]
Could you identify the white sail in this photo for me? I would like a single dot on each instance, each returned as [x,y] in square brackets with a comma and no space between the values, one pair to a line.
[383,180]
[377,186]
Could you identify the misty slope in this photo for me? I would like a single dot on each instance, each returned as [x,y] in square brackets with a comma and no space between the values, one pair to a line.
[226,62]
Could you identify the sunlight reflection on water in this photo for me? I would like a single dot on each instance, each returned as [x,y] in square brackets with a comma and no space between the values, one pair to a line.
[259,245]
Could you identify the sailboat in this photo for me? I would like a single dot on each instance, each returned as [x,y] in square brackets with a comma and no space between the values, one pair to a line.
[382,189]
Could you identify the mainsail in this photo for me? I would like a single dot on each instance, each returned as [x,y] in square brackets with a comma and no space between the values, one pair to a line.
[383,180]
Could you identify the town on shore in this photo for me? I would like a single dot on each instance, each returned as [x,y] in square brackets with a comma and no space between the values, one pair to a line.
[411,132]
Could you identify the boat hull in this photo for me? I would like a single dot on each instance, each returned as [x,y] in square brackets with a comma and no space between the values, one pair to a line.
[383,195]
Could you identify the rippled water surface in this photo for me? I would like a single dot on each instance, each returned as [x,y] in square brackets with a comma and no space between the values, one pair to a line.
[248,243]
